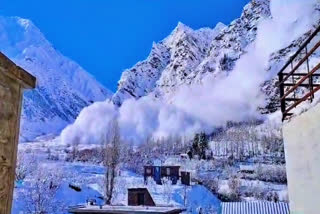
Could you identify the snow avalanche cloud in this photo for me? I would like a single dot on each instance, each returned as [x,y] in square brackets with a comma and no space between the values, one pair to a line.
[233,97]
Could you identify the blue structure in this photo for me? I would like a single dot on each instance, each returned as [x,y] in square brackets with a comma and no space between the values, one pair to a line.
[159,172]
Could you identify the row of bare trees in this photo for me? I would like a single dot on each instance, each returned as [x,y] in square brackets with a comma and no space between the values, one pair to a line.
[246,141]
[239,143]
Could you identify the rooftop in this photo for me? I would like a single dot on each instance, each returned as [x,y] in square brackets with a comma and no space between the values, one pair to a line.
[15,72]
[125,209]
[255,208]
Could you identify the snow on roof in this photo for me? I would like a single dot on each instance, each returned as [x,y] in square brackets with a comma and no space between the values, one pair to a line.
[247,168]
[125,209]
[255,208]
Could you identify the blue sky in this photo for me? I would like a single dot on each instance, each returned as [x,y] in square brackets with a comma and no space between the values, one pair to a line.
[107,36]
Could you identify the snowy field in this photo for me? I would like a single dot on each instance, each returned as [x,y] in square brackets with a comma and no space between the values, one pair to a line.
[88,178]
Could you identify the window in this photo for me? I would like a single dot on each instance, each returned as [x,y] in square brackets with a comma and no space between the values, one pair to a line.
[168,171]
[148,171]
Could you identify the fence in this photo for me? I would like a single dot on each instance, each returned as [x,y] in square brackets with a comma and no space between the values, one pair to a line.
[290,82]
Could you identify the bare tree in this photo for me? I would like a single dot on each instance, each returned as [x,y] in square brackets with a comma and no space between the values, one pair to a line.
[112,144]
[39,197]
[75,149]
[234,185]
[167,189]
[22,167]
[185,195]
[25,165]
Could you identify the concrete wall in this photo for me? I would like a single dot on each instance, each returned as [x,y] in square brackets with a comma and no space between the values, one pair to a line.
[302,147]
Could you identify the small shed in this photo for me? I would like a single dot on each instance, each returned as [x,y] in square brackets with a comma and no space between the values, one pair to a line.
[170,172]
[185,178]
[255,208]
[184,156]
[160,172]
[140,197]
[250,169]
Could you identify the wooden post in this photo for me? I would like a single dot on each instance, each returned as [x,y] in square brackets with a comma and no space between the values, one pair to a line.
[13,80]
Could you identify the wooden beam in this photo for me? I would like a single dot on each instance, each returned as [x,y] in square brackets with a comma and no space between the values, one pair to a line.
[17,73]
[13,80]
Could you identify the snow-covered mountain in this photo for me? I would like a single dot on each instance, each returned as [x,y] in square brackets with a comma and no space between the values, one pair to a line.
[187,55]
[63,87]
[197,80]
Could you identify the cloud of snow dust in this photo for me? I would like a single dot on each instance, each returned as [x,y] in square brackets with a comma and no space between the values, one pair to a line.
[214,102]
[91,124]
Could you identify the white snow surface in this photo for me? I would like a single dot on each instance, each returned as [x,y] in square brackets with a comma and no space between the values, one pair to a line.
[89,177]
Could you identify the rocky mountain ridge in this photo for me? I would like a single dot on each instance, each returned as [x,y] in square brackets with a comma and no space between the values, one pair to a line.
[187,55]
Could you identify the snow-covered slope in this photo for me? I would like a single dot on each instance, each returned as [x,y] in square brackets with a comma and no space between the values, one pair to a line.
[196,80]
[169,63]
[63,87]
[187,55]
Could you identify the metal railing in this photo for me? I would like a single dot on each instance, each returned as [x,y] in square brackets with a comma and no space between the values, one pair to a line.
[291,82]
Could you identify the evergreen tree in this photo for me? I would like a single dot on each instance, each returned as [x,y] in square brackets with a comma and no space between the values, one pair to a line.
[195,145]
[203,145]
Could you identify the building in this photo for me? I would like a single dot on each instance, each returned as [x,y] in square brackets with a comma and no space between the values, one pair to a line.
[185,178]
[140,197]
[250,169]
[255,208]
[125,210]
[139,202]
[298,87]
[160,172]
[13,80]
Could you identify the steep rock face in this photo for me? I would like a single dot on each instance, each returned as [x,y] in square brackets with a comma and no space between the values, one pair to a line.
[187,55]
[141,79]
[168,65]
[230,43]
[188,48]
[63,87]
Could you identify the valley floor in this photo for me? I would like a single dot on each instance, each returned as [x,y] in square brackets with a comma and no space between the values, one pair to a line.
[83,181]
[244,163]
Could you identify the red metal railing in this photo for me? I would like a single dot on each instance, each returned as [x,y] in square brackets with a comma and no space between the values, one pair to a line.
[301,75]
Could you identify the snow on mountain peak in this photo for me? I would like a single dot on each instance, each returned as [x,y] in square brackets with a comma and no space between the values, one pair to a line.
[63,87]
[220,26]
[24,22]
[181,27]
[187,55]
[178,53]
[195,80]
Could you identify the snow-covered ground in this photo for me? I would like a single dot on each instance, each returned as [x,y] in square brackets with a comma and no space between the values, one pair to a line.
[89,178]
[85,176]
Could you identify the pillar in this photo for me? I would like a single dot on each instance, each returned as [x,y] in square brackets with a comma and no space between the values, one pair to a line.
[13,80]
